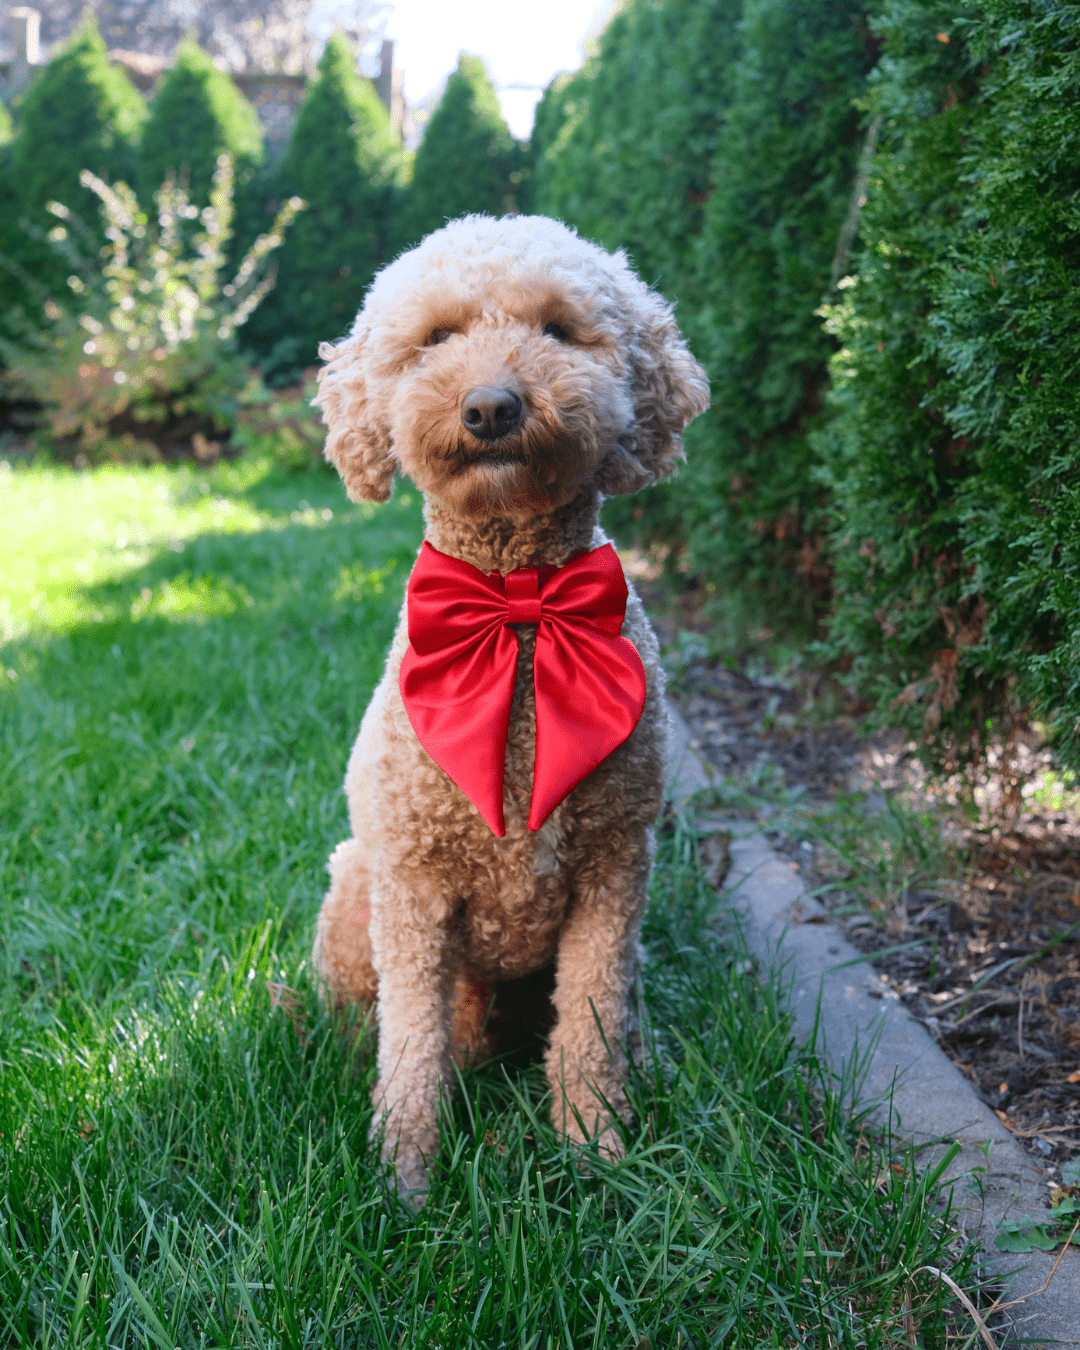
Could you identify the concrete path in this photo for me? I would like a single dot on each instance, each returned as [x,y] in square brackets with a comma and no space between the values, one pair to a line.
[862,1021]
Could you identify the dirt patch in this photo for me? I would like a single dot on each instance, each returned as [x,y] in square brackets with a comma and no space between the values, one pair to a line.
[988,960]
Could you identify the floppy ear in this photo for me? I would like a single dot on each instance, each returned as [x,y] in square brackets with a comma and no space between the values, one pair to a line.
[669,389]
[356,444]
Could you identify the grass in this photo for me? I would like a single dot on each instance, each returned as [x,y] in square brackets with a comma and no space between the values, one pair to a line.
[184,1137]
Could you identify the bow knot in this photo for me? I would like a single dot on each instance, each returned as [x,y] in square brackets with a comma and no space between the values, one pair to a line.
[523,603]
[457,675]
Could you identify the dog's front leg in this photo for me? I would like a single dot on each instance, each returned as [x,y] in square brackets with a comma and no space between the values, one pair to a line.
[414,954]
[586,1057]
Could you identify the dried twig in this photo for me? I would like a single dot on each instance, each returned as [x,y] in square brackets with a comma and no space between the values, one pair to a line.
[1038,1130]
[1020,1030]
[998,1002]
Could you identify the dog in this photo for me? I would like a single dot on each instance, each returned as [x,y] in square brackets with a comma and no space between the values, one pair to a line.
[517,374]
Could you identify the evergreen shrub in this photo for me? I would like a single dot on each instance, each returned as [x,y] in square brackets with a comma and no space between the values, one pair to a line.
[952,453]
[197,113]
[80,113]
[345,160]
[785,165]
[625,149]
[467,161]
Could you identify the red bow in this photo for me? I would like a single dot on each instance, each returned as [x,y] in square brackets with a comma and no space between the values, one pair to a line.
[457,677]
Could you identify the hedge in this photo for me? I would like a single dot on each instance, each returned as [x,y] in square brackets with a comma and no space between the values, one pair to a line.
[952,455]
[625,149]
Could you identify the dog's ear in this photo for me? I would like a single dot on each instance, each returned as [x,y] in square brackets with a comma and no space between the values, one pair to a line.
[669,389]
[356,443]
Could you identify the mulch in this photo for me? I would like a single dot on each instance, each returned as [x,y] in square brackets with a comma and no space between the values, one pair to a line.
[990,961]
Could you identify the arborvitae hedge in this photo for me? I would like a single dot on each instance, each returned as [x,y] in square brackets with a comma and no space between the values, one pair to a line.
[952,454]
[717,140]
[784,170]
[345,160]
[197,114]
[467,161]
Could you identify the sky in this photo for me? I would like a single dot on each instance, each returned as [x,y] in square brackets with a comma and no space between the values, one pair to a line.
[522,45]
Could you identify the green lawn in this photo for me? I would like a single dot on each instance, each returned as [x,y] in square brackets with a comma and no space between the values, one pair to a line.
[185,658]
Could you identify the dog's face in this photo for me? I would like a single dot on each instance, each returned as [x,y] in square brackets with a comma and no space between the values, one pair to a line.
[504,364]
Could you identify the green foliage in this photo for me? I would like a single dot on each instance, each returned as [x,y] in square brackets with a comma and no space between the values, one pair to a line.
[784,169]
[150,353]
[79,113]
[467,160]
[345,160]
[184,1148]
[197,114]
[625,149]
[951,456]
[1028,1235]
[1007,330]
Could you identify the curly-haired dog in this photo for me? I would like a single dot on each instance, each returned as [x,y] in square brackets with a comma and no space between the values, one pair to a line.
[516,374]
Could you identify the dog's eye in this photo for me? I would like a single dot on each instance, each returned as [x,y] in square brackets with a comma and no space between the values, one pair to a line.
[438,335]
[556,331]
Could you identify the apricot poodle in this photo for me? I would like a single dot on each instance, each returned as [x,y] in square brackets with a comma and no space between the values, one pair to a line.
[517,374]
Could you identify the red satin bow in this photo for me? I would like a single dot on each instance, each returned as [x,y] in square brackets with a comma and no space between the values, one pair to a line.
[457,676]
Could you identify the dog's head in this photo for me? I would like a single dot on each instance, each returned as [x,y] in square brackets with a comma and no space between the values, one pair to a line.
[504,364]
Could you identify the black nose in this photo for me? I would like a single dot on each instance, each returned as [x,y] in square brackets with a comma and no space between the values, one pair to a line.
[490,413]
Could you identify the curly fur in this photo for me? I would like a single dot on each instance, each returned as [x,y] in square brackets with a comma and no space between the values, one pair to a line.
[452,932]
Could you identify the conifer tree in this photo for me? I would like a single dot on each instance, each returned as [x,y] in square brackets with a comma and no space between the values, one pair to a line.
[344,159]
[467,160]
[79,113]
[197,114]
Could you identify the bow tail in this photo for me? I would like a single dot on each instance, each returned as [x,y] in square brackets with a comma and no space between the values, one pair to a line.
[463,725]
[590,693]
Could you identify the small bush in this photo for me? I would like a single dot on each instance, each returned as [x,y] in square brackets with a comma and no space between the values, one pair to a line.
[149,356]
[467,160]
[281,426]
